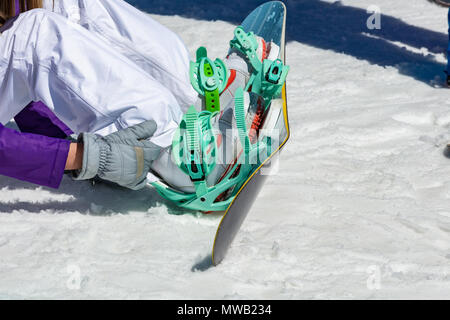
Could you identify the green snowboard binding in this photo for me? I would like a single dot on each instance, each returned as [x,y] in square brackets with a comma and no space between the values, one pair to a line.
[194,150]
[195,144]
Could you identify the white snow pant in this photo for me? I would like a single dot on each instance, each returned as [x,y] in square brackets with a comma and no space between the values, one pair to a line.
[133,33]
[89,83]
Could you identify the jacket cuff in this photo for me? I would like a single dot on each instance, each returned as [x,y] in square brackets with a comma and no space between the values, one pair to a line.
[59,164]
[91,157]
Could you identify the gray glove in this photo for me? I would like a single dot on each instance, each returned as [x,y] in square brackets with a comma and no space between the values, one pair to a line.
[123,157]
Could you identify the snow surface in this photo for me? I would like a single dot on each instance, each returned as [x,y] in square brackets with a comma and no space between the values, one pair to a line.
[360,207]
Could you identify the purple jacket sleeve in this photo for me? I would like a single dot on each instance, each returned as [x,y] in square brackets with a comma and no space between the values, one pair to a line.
[38,118]
[33,158]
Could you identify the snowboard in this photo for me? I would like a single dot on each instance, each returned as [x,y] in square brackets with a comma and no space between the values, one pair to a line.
[444,3]
[269,22]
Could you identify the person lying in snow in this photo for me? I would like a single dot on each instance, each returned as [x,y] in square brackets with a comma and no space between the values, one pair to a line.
[100,67]
[117,79]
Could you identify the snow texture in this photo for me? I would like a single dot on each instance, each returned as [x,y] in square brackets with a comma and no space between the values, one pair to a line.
[360,207]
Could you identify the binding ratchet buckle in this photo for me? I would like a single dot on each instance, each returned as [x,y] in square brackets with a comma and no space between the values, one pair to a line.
[269,82]
[208,78]
[268,77]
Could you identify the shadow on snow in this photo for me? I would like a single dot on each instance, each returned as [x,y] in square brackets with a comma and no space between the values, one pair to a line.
[330,26]
[101,199]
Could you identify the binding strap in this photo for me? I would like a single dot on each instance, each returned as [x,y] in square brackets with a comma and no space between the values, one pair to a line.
[246,44]
[194,147]
[240,115]
[267,77]
[208,78]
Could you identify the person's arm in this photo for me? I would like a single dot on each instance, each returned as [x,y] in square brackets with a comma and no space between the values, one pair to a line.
[34,158]
[123,157]
[75,157]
